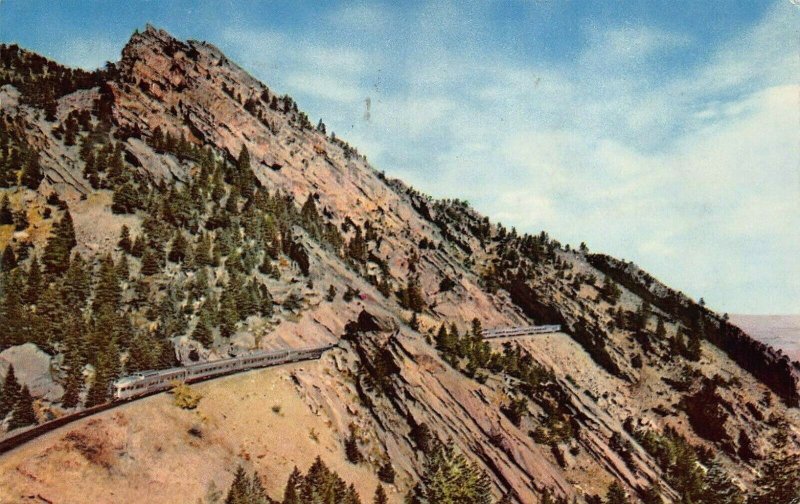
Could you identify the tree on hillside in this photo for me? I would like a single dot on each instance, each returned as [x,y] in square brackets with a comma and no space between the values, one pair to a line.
[108,290]
[14,317]
[59,245]
[202,331]
[719,488]
[177,252]
[386,472]
[616,494]
[125,199]
[8,261]
[23,414]
[351,448]
[73,382]
[32,172]
[33,289]
[291,494]
[106,371]
[6,216]
[125,242]
[11,393]
[779,481]
[246,489]
[449,477]
[380,496]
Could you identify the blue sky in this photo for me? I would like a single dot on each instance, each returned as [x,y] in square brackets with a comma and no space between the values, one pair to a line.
[667,132]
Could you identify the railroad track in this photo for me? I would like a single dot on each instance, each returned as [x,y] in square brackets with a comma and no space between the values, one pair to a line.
[23,436]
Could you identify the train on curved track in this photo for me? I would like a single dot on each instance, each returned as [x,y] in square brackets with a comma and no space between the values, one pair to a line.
[146,383]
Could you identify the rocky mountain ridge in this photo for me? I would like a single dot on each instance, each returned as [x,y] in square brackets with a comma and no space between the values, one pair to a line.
[255,229]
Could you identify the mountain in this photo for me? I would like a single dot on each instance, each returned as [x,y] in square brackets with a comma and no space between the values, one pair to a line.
[170,209]
[778,331]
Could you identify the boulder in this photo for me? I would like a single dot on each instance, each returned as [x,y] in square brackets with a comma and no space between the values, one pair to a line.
[33,368]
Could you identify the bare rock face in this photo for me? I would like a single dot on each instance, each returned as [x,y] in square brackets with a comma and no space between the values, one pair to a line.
[33,368]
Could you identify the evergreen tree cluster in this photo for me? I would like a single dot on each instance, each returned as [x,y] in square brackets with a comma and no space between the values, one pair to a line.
[681,463]
[319,485]
[19,163]
[449,477]
[42,81]
[16,401]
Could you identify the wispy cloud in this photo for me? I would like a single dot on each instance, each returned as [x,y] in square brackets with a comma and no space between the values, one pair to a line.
[643,138]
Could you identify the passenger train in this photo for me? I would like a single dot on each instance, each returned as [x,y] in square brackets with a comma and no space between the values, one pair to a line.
[505,332]
[148,382]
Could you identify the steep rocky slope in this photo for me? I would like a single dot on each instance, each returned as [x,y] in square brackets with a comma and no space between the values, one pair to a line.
[178,145]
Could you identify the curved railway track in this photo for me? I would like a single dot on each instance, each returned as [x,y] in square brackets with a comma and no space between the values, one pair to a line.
[22,437]
[19,438]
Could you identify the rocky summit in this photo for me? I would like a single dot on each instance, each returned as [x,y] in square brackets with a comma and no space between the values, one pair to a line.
[170,209]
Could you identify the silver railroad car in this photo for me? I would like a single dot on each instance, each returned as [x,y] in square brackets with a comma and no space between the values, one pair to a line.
[148,382]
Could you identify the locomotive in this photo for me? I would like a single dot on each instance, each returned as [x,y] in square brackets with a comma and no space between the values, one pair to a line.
[148,382]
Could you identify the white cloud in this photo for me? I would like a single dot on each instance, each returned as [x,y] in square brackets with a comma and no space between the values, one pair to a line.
[624,44]
[693,174]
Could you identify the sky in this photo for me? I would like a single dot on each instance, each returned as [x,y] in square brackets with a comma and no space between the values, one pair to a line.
[663,132]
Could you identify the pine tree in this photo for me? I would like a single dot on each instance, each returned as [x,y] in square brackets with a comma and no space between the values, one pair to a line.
[125,199]
[106,371]
[616,494]
[123,269]
[202,251]
[142,354]
[291,495]
[59,245]
[693,348]
[380,496]
[23,413]
[386,473]
[73,360]
[652,495]
[11,393]
[238,492]
[125,243]
[202,331]
[76,283]
[228,314]
[177,252]
[73,384]
[351,449]
[661,331]
[9,259]
[108,291]
[449,477]
[33,289]
[32,172]
[719,489]
[6,217]
[267,303]
[14,317]
[151,263]
[779,481]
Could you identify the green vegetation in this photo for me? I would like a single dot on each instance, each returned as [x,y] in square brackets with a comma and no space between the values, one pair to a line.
[16,400]
[681,463]
[185,397]
[449,477]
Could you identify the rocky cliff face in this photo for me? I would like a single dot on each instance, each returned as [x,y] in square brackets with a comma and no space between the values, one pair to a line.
[620,381]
